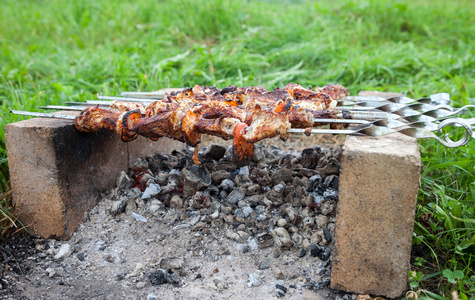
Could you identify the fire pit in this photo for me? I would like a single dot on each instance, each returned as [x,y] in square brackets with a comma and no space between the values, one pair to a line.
[297,214]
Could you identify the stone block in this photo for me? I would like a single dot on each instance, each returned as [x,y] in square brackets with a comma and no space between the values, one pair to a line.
[58,173]
[379,181]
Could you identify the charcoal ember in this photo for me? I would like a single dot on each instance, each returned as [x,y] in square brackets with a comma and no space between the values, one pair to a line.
[331,227]
[202,173]
[191,183]
[310,157]
[306,244]
[316,237]
[306,211]
[162,178]
[307,172]
[315,286]
[176,202]
[155,205]
[212,190]
[134,193]
[225,165]
[291,213]
[328,166]
[118,206]
[254,201]
[289,189]
[282,175]
[173,177]
[324,254]
[175,264]
[286,160]
[281,237]
[244,171]
[214,151]
[276,150]
[151,191]
[243,180]
[236,195]
[158,162]
[315,182]
[253,189]
[147,177]
[258,154]
[327,236]
[260,209]
[167,189]
[227,185]
[328,207]
[161,277]
[331,182]
[300,196]
[123,182]
[140,165]
[315,250]
[223,195]
[130,207]
[261,176]
[330,194]
[281,288]
[321,221]
[317,200]
[308,223]
[264,240]
[197,200]
[297,238]
[218,176]
[276,194]
[297,181]
[208,164]
[243,212]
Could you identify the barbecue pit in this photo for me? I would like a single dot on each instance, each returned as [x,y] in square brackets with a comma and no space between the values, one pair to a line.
[47,166]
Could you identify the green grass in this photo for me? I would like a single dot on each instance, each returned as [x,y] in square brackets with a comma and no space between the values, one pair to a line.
[57,51]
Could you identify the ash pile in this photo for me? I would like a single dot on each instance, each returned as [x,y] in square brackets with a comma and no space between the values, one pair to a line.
[283,200]
[286,201]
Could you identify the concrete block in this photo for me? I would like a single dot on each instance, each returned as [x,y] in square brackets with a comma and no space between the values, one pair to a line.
[379,181]
[58,173]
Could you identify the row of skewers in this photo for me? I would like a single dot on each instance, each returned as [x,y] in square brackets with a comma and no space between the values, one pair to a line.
[250,114]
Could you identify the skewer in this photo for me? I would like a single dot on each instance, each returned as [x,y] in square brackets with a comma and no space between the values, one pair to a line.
[125,99]
[85,104]
[321,131]
[144,95]
[43,115]
[60,107]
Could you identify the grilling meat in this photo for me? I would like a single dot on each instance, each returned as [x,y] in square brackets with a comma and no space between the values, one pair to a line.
[127,106]
[246,115]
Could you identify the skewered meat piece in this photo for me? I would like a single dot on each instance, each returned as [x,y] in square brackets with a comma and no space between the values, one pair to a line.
[335,91]
[93,119]
[221,127]
[127,106]
[164,124]
[242,149]
[219,109]
[266,124]
[159,107]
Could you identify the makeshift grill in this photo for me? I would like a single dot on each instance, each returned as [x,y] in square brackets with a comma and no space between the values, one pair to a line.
[371,116]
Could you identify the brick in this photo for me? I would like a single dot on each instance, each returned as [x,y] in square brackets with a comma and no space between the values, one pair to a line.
[379,181]
[58,173]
